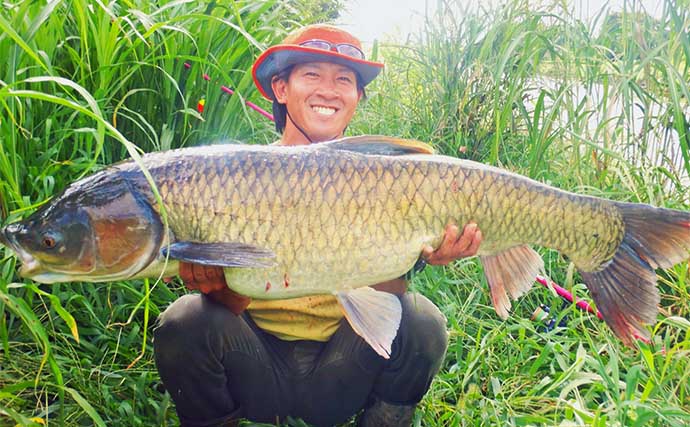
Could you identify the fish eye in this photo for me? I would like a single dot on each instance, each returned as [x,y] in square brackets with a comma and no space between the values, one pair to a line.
[48,241]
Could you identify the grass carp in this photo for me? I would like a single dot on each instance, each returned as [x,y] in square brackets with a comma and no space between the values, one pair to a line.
[287,222]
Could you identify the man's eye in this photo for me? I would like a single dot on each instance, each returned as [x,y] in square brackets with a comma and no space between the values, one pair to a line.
[311,74]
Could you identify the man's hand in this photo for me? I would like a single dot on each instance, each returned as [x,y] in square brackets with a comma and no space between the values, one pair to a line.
[202,278]
[454,245]
[211,281]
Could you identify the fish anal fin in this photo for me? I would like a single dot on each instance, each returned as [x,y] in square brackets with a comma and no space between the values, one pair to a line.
[374,315]
[221,254]
[381,145]
[510,273]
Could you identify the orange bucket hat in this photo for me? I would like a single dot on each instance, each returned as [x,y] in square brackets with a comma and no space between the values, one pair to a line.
[313,43]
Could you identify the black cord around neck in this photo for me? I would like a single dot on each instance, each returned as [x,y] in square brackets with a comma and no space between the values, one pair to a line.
[298,126]
[311,141]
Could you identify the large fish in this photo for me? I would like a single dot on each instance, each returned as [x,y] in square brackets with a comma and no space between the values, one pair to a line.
[336,217]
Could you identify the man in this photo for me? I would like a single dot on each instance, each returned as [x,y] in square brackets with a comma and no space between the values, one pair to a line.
[299,357]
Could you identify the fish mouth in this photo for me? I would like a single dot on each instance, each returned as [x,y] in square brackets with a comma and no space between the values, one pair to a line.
[4,240]
[30,267]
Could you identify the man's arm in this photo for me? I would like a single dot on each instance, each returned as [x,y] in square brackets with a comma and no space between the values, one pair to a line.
[211,281]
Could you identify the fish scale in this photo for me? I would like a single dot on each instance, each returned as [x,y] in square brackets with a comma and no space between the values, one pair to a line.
[337,217]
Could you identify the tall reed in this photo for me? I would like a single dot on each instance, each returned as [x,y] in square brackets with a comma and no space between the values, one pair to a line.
[501,85]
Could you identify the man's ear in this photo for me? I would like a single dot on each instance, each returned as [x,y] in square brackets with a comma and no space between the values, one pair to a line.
[279,87]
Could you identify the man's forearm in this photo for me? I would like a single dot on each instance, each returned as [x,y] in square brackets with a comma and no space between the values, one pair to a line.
[396,286]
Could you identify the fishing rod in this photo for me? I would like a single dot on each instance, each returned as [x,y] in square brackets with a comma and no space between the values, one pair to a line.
[253,106]
[541,314]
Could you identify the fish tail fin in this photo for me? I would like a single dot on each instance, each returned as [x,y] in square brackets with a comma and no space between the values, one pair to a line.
[625,289]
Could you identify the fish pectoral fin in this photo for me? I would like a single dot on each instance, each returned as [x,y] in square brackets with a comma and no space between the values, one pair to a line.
[513,272]
[381,145]
[221,254]
[374,315]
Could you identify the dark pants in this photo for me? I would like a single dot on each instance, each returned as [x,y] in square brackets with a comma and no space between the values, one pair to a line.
[218,366]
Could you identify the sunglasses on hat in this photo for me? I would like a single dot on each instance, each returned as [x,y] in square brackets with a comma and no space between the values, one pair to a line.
[342,48]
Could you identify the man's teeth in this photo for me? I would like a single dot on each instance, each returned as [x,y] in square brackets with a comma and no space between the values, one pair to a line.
[324,110]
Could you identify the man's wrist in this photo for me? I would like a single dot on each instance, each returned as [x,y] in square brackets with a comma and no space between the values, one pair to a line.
[416,268]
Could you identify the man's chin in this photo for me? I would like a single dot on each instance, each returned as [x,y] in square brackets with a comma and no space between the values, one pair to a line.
[323,136]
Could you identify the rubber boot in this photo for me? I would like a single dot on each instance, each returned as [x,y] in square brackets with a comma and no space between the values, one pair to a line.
[382,414]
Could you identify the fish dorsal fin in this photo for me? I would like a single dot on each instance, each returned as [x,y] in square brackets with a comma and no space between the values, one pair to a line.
[374,315]
[381,145]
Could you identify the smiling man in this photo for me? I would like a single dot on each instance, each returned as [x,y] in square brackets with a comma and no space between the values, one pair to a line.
[299,357]
[320,96]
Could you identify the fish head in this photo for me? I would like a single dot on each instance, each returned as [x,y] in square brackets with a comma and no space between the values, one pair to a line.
[91,233]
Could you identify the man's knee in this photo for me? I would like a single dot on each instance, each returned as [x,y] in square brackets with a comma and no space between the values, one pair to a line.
[418,352]
[188,323]
[425,328]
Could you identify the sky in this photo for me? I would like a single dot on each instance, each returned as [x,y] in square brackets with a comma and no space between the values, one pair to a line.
[374,19]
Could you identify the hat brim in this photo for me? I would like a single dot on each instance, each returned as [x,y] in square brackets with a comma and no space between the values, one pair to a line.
[279,57]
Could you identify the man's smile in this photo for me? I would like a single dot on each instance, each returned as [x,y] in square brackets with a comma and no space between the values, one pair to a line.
[326,111]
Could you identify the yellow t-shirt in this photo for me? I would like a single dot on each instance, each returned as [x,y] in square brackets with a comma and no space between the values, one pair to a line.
[314,318]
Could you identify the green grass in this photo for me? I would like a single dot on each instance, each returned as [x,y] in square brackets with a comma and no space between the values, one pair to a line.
[86,85]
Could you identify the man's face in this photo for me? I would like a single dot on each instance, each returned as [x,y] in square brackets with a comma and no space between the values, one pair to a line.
[321,98]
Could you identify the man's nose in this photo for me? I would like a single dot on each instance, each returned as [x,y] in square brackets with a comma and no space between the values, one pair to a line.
[328,88]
